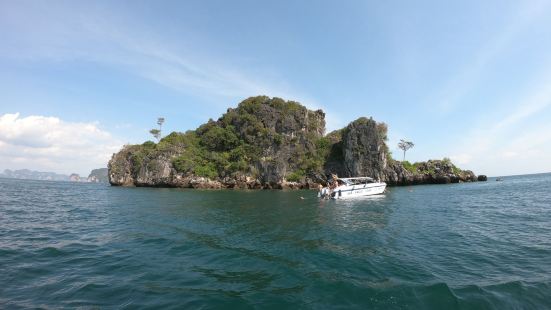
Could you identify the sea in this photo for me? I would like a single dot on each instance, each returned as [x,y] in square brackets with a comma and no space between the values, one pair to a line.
[483,245]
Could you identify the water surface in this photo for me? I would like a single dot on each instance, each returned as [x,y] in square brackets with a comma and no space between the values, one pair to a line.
[483,245]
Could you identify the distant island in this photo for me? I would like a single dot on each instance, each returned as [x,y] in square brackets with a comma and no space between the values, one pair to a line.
[96,176]
[99,175]
[270,143]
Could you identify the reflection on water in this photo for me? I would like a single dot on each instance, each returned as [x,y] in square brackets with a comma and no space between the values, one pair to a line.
[359,213]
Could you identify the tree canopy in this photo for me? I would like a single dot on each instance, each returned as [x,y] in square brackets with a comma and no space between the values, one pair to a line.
[405,145]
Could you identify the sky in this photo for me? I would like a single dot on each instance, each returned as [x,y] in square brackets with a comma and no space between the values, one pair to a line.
[468,80]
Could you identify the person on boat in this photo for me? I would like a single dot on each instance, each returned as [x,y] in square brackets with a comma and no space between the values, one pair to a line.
[320,191]
[333,183]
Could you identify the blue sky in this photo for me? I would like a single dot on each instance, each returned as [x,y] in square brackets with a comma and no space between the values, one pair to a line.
[470,80]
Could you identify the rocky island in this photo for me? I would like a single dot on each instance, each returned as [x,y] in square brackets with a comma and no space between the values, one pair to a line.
[270,143]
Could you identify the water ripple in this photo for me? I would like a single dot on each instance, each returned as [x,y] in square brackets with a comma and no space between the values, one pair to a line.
[460,246]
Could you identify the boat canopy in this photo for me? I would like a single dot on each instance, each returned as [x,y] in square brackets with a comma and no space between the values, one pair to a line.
[357,180]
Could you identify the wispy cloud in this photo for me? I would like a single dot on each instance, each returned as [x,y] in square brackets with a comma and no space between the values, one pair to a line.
[467,78]
[514,143]
[531,105]
[87,33]
[77,33]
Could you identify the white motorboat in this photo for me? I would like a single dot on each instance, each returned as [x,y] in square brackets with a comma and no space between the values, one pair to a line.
[352,187]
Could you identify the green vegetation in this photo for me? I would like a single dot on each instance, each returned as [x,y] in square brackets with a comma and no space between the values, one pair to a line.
[334,148]
[454,168]
[264,138]
[431,167]
[296,176]
[260,131]
[156,133]
[410,167]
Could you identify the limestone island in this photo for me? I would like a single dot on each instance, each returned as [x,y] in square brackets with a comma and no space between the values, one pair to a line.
[270,143]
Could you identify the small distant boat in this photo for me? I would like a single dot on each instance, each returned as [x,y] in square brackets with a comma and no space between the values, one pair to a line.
[499,179]
[352,187]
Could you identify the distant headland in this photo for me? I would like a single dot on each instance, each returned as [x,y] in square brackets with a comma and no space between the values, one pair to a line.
[270,143]
[95,176]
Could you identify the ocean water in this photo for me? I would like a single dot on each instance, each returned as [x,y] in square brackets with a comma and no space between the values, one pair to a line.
[483,245]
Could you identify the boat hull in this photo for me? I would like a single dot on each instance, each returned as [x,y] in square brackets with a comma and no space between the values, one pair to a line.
[352,191]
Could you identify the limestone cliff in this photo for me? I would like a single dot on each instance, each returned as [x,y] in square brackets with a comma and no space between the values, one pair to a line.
[263,143]
[99,175]
[429,172]
[360,150]
[271,143]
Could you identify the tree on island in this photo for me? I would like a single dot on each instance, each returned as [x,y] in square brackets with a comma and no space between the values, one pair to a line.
[157,132]
[404,146]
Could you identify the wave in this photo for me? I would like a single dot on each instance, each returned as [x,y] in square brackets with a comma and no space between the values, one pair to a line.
[507,295]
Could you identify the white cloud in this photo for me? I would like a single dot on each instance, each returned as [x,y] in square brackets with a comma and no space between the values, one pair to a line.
[461,159]
[51,144]
[509,154]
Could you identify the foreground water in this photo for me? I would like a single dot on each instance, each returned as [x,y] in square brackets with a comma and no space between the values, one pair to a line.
[461,246]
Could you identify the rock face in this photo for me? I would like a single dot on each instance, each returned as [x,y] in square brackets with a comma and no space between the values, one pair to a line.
[74,177]
[430,172]
[263,143]
[360,150]
[130,167]
[364,149]
[269,143]
[482,178]
[99,175]
[288,133]
[120,168]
